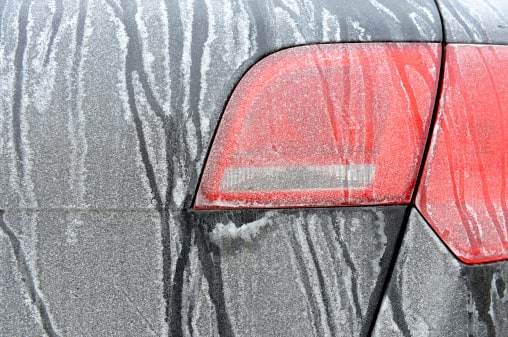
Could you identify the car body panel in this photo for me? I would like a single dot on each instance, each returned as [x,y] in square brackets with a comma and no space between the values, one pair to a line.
[471,21]
[431,292]
[81,273]
[108,110]
[136,90]
[298,272]
[233,273]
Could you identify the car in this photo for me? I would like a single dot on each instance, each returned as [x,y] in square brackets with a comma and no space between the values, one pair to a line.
[252,168]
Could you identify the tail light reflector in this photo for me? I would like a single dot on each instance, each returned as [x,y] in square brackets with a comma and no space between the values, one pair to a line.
[463,190]
[324,125]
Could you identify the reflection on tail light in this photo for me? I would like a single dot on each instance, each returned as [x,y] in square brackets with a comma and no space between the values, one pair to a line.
[324,125]
[463,190]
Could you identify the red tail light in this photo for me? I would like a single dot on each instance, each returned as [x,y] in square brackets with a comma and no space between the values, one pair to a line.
[324,125]
[463,190]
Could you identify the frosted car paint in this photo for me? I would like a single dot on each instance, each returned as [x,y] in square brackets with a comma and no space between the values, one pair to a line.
[471,21]
[433,294]
[430,291]
[159,75]
[293,272]
[107,112]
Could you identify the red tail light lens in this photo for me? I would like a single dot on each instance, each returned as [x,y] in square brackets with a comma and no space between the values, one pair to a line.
[463,190]
[324,125]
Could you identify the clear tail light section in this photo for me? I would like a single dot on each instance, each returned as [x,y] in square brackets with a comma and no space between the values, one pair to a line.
[463,190]
[324,125]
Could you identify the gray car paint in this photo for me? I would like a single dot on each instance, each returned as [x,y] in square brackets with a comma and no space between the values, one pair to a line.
[432,294]
[107,112]
[137,89]
[472,21]
[100,272]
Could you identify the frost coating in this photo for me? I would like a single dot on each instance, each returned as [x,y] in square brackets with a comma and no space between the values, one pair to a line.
[246,232]
[331,27]
[189,60]
[469,21]
[301,133]
[429,281]
[361,31]
[96,151]
[313,264]
[420,23]
[385,10]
